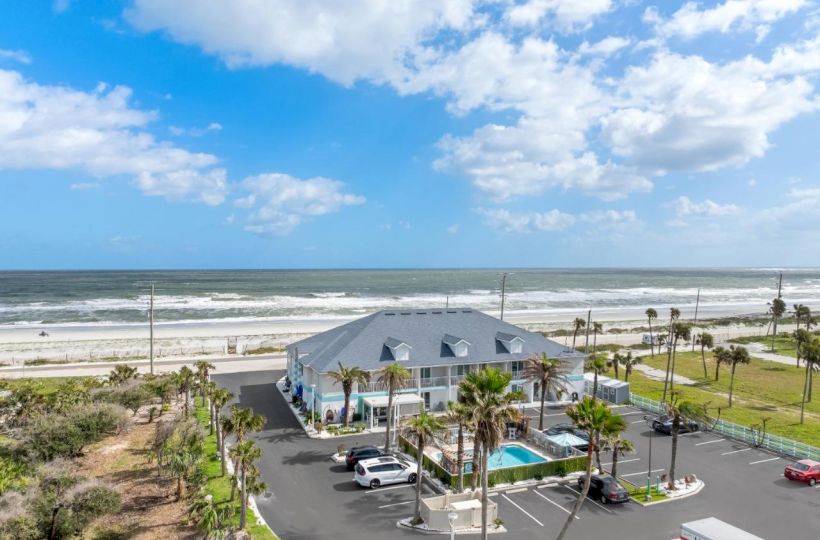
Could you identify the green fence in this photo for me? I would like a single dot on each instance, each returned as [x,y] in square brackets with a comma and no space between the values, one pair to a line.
[558,467]
[751,436]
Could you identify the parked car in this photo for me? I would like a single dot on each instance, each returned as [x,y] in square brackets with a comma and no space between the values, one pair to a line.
[663,424]
[805,470]
[384,470]
[358,453]
[567,428]
[605,489]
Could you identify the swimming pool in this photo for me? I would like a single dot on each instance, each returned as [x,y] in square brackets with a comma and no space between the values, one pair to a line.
[507,455]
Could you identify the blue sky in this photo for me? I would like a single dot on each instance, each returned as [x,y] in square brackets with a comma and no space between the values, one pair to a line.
[409,133]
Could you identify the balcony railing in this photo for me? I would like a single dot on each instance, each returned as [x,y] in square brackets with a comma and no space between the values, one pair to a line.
[428,382]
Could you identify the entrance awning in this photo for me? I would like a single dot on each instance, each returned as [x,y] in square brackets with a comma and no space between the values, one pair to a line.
[398,399]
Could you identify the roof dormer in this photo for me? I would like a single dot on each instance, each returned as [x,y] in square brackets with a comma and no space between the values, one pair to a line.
[512,343]
[399,349]
[459,346]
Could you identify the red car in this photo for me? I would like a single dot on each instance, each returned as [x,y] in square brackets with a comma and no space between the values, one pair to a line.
[804,470]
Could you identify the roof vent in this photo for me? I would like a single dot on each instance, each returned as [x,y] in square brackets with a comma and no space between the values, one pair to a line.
[452,311]
[436,312]
[406,313]
[421,313]
[466,310]
[389,314]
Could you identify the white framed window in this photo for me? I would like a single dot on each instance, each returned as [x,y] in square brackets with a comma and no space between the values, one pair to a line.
[515,346]
[517,367]
[461,349]
[425,372]
[462,369]
[402,354]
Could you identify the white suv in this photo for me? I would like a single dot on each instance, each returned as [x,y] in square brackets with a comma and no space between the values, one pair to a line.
[384,470]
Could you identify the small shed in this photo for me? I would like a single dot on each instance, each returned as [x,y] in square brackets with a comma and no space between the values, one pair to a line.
[563,444]
[611,390]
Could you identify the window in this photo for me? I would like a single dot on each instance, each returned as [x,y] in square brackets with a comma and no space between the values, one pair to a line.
[462,369]
[461,349]
[515,346]
[517,367]
[426,396]
[425,373]
[402,354]
[517,388]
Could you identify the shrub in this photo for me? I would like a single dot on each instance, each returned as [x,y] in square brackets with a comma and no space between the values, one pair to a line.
[50,436]
[356,417]
[318,426]
[130,398]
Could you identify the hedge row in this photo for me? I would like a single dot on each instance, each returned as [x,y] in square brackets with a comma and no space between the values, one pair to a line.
[559,467]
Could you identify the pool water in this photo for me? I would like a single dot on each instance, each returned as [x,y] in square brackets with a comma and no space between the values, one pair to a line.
[507,455]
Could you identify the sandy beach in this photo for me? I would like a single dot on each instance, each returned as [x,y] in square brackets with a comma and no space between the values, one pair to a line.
[77,343]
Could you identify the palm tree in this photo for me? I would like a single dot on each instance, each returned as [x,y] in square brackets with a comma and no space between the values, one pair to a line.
[629,362]
[122,374]
[241,422]
[492,407]
[651,315]
[679,330]
[219,398]
[777,309]
[596,327]
[393,377]
[578,323]
[346,377]
[591,416]
[203,370]
[801,312]
[619,447]
[551,376]
[245,455]
[739,356]
[801,337]
[185,379]
[706,341]
[680,410]
[722,355]
[614,426]
[422,427]
[811,355]
[210,388]
[597,364]
[459,414]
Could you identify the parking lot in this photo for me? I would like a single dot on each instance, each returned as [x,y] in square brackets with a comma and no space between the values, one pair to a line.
[311,497]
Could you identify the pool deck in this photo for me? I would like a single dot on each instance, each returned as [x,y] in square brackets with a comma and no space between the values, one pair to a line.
[433,451]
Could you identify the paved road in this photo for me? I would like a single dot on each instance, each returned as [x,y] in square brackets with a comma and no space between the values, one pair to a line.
[227,364]
[314,498]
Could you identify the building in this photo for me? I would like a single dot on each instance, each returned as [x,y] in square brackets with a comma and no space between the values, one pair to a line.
[438,346]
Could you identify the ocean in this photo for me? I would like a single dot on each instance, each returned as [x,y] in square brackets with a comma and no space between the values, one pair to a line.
[100,298]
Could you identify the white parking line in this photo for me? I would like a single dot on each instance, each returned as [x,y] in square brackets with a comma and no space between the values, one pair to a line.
[709,442]
[379,490]
[620,462]
[637,421]
[763,461]
[553,502]
[631,413]
[735,451]
[396,504]
[637,473]
[527,513]
[602,507]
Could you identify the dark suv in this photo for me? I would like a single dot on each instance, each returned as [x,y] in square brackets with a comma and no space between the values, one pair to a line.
[663,424]
[358,453]
[605,489]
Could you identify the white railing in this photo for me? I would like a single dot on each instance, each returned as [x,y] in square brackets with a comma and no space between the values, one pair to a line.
[752,436]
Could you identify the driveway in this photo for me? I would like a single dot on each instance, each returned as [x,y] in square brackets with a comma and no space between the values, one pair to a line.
[311,497]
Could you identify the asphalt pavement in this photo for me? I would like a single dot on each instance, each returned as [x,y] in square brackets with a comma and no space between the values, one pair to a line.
[312,497]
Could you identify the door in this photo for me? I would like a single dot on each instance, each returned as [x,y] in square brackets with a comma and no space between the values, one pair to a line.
[426,396]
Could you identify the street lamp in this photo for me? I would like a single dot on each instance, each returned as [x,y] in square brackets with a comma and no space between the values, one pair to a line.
[649,470]
[312,403]
[452,517]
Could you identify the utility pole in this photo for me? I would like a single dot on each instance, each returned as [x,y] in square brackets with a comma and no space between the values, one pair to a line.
[586,344]
[779,296]
[151,330]
[503,292]
[697,303]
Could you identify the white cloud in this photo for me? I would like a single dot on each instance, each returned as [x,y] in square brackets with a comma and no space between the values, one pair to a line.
[553,220]
[55,127]
[344,41]
[194,132]
[683,113]
[685,207]
[281,202]
[19,55]
[453,229]
[60,6]
[566,15]
[606,47]
[691,21]
[84,186]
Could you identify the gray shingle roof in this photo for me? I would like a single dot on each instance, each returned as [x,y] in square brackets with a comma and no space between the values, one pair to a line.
[363,342]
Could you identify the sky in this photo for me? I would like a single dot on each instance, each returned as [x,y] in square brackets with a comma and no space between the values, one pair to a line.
[409,133]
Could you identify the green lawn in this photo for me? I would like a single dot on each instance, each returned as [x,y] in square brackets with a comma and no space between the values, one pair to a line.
[763,389]
[220,486]
[639,492]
